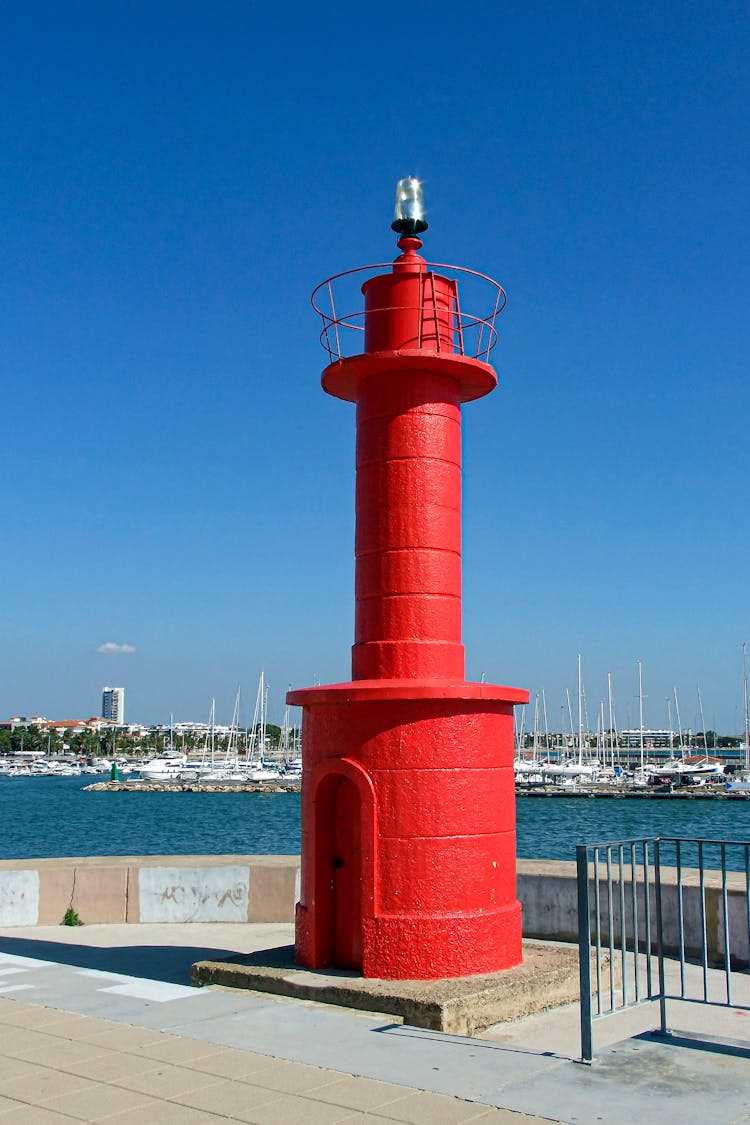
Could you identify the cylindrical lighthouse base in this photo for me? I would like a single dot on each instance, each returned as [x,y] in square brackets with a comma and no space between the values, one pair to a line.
[408,823]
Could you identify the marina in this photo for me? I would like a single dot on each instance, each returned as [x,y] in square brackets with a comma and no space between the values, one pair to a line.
[55,816]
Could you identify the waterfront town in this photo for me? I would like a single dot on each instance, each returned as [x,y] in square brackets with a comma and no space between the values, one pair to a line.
[36,744]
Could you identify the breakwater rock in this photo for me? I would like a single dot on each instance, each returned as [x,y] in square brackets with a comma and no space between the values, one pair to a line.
[659,792]
[193,787]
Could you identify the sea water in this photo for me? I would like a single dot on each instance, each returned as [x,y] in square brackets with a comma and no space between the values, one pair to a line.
[53,816]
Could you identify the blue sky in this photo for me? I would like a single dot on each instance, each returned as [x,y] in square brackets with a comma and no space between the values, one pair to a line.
[175,179]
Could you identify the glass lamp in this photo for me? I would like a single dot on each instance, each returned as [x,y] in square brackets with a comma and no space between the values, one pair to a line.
[408,214]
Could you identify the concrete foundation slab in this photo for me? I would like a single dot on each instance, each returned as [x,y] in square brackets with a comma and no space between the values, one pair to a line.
[547,978]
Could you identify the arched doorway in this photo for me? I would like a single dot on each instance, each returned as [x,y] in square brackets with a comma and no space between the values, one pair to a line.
[338,872]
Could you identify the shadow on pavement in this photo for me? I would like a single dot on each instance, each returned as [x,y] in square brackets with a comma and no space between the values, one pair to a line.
[167,963]
[739,1049]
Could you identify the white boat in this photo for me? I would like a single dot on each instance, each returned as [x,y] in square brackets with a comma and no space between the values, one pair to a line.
[573,770]
[222,773]
[229,767]
[588,768]
[695,767]
[166,766]
[63,769]
[259,769]
[96,765]
[196,771]
[263,773]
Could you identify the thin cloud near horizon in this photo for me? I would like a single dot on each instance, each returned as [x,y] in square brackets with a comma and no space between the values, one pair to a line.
[110,647]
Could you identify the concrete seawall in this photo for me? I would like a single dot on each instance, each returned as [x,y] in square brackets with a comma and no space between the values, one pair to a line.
[242,888]
[184,888]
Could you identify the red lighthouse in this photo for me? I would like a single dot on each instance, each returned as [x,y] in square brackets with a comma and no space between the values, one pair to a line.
[408,806]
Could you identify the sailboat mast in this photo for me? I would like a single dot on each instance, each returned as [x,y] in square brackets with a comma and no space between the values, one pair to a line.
[232,754]
[263,718]
[535,743]
[580,712]
[747,712]
[546,727]
[611,721]
[703,721]
[521,729]
[679,724]
[640,705]
[570,717]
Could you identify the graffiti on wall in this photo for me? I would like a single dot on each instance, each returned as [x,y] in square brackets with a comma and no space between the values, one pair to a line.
[194,894]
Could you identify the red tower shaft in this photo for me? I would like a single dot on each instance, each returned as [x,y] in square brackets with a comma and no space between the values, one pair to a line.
[408,814]
[408,534]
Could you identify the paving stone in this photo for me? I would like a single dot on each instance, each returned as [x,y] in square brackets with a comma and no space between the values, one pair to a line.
[510,1117]
[231,1063]
[432,1109]
[61,1054]
[364,1118]
[14,1014]
[180,1051]
[121,1038]
[166,1113]
[290,1109]
[230,1099]
[111,1065]
[41,1085]
[68,1025]
[97,1102]
[291,1078]
[360,1093]
[8,1103]
[166,1081]
[11,1067]
[24,1039]
[35,1115]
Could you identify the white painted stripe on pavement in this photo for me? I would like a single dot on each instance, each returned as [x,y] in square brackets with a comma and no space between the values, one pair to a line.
[32,962]
[155,990]
[101,974]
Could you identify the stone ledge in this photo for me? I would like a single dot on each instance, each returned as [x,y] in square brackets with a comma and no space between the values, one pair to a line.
[547,978]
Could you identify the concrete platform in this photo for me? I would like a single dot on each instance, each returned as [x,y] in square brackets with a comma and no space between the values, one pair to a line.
[547,978]
[99,1024]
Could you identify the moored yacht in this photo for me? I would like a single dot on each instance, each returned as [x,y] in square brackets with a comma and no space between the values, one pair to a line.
[166,766]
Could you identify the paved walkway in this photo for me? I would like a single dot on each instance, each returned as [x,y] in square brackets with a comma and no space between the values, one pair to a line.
[97,1024]
[61,1067]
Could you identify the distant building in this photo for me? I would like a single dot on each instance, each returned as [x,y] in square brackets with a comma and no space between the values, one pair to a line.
[25,721]
[113,705]
[652,739]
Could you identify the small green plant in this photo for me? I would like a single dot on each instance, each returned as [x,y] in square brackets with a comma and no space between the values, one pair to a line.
[71,918]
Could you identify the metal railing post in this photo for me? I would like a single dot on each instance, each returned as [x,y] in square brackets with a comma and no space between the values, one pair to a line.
[663,1029]
[584,952]
[690,942]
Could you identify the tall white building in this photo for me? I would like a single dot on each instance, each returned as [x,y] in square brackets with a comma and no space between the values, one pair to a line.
[113,705]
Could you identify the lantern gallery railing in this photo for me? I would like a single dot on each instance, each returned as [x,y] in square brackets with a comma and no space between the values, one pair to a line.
[338,302]
[661,919]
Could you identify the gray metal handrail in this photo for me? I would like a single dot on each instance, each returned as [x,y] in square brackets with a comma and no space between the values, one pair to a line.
[624,915]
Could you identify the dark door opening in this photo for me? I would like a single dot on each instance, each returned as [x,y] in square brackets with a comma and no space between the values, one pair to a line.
[346,863]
